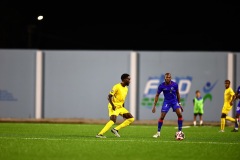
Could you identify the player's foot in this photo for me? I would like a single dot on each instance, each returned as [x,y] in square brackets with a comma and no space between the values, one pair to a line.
[156,135]
[114,131]
[100,136]
[234,130]
[221,131]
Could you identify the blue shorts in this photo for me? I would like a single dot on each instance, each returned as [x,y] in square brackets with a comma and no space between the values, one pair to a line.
[238,109]
[167,105]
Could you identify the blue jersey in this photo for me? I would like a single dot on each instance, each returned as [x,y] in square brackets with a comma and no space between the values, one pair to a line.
[169,91]
[238,92]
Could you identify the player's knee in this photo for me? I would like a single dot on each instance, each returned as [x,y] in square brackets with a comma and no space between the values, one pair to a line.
[113,119]
[223,115]
[179,116]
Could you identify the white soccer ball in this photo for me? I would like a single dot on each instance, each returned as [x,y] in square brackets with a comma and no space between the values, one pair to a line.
[179,135]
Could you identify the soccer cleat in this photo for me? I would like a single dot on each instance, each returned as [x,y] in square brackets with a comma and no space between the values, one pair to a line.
[156,135]
[234,130]
[114,131]
[100,136]
[221,131]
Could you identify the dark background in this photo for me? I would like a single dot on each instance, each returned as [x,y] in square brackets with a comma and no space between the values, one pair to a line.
[215,28]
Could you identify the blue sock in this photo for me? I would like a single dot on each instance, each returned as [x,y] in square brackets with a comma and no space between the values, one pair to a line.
[160,122]
[180,121]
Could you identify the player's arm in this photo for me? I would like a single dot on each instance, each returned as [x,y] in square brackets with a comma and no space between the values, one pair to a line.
[155,102]
[178,98]
[110,101]
[238,96]
[234,97]
[159,90]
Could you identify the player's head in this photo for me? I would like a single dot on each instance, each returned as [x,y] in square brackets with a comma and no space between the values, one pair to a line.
[227,84]
[198,93]
[168,77]
[125,79]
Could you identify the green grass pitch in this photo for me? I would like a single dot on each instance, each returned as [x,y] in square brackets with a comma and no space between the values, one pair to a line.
[38,141]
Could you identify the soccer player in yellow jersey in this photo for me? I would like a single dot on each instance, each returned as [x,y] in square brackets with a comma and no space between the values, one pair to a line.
[227,106]
[116,100]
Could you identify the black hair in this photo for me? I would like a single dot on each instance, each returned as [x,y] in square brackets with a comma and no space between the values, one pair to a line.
[124,76]
[227,81]
[197,91]
[167,74]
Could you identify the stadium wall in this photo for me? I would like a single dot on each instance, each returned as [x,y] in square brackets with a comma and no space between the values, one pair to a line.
[17,83]
[75,84]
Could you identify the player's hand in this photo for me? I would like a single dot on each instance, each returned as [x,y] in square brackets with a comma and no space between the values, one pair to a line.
[231,103]
[154,109]
[181,108]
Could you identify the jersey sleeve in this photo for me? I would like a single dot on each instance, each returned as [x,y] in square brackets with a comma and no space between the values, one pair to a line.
[114,90]
[160,89]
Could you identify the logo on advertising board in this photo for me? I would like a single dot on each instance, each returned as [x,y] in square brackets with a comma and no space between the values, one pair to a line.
[184,86]
[6,96]
[207,90]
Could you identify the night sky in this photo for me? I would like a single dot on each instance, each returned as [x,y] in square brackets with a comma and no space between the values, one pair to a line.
[204,29]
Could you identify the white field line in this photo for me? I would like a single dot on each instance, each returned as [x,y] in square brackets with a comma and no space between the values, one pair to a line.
[116,140]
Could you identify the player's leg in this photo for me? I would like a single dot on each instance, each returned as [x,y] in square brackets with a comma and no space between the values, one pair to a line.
[237,120]
[201,111]
[194,119]
[164,111]
[223,117]
[128,120]
[227,108]
[230,119]
[201,119]
[180,119]
[160,123]
[109,124]
[113,117]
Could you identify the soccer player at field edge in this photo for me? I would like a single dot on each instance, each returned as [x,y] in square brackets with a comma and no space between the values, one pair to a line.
[116,107]
[171,100]
[237,95]
[198,108]
[227,106]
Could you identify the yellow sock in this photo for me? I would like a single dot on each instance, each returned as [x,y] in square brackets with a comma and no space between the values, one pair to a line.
[230,119]
[222,123]
[106,128]
[125,123]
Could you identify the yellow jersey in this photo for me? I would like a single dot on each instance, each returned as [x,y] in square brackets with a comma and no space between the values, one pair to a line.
[119,95]
[228,95]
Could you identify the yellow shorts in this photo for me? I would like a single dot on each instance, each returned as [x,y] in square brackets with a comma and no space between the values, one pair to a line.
[226,108]
[118,111]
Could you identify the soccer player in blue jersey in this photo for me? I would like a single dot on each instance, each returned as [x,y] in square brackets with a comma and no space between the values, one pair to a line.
[237,95]
[171,100]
